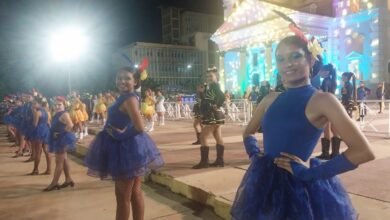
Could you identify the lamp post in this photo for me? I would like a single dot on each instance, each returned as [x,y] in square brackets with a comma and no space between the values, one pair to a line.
[66,46]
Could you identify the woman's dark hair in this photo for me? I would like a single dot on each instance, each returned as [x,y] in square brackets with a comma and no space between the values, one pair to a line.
[40,100]
[332,75]
[301,43]
[136,74]
[351,75]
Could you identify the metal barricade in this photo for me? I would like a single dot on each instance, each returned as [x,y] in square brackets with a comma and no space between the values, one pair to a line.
[371,120]
[239,112]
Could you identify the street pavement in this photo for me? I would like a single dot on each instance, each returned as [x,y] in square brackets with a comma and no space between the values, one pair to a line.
[368,186]
[21,196]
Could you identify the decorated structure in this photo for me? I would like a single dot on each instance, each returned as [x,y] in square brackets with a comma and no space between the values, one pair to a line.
[353,34]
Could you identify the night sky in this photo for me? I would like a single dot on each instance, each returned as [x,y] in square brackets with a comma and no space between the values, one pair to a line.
[110,24]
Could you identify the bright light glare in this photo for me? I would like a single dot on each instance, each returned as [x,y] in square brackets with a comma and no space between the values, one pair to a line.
[68,44]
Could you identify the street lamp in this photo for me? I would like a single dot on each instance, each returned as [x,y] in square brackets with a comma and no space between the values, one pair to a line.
[67,45]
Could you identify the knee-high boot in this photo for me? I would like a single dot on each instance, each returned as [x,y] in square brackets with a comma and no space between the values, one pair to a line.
[204,158]
[335,146]
[219,161]
[197,139]
[325,145]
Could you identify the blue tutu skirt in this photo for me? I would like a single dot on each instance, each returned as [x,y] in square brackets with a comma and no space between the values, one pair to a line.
[16,124]
[129,158]
[64,142]
[271,193]
[26,129]
[8,119]
[42,133]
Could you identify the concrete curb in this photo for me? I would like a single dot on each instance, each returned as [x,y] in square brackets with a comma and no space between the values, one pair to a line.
[220,205]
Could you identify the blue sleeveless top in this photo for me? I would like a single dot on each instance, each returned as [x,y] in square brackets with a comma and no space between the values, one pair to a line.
[43,120]
[56,125]
[116,117]
[286,127]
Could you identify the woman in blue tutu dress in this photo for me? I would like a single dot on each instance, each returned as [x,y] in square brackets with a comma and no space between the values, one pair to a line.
[61,140]
[27,126]
[278,185]
[40,135]
[16,123]
[9,120]
[122,150]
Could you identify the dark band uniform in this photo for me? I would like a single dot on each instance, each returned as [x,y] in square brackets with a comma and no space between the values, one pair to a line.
[211,105]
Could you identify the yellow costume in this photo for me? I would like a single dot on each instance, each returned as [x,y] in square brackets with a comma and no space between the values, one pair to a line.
[84,111]
[75,112]
[147,107]
[101,106]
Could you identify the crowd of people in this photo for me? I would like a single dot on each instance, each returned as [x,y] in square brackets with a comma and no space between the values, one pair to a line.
[277,184]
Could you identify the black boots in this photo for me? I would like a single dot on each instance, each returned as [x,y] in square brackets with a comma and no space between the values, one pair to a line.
[197,139]
[219,161]
[335,147]
[325,144]
[325,148]
[204,158]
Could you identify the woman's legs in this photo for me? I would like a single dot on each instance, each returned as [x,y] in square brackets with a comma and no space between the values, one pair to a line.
[68,178]
[60,157]
[336,141]
[36,146]
[217,133]
[123,191]
[198,130]
[162,118]
[150,122]
[159,116]
[137,200]
[22,144]
[48,159]
[325,143]
[204,149]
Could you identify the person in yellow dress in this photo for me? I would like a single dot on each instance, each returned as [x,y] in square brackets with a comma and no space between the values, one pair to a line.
[110,99]
[77,117]
[86,117]
[101,108]
[148,110]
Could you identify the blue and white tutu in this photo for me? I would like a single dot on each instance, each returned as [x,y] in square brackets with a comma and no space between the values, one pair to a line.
[129,158]
[64,141]
[271,193]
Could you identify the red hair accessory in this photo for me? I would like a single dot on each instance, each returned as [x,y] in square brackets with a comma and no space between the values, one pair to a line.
[144,64]
[297,31]
[60,99]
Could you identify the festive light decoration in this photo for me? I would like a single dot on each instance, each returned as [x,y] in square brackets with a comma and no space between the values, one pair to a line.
[251,25]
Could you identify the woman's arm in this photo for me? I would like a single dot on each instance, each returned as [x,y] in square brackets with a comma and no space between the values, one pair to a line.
[36,116]
[250,142]
[359,150]
[255,121]
[65,118]
[131,108]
